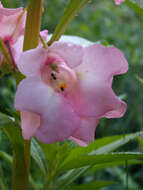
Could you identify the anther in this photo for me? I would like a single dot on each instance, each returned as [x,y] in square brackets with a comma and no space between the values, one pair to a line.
[53,76]
[62,89]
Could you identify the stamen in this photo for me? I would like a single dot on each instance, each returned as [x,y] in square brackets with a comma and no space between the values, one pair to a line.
[53,76]
[54,67]
[62,89]
[63,86]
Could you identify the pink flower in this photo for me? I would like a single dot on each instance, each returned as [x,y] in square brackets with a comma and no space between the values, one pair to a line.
[67,89]
[118,2]
[12,23]
[17,48]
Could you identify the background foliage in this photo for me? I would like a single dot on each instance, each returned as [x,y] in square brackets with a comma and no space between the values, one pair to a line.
[118,25]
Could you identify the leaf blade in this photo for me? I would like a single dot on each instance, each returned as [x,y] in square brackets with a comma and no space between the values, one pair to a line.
[71,11]
[90,160]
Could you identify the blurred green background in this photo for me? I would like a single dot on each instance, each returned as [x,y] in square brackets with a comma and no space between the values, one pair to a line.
[121,26]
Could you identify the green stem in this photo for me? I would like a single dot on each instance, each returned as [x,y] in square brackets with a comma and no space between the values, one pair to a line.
[21,164]
[43,42]
[27,146]
[33,23]
[4,51]
[7,66]
[126,165]
[70,12]
[20,174]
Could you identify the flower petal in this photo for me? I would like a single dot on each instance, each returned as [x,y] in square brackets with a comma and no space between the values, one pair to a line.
[58,119]
[93,95]
[1,5]
[30,122]
[85,134]
[73,39]
[17,49]
[71,53]
[118,2]
[12,23]
[9,12]
[44,34]
[30,61]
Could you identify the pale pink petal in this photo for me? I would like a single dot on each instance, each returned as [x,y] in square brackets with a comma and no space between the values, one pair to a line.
[30,122]
[85,134]
[20,26]
[17,48]
[9,12]
[93,95]
[31,61]
[1,5]
[118,2]
[71,53]
[44,34]
[73,39]
[12,23]
[58,119]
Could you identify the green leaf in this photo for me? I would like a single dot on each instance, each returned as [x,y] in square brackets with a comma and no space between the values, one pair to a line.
[70,176]
[66,179]
[38,156]
[116,163]
[135,6]
[140,141]
[49,150]
[5,120]
[90,160]
[3,184]
[13,132]
[32,182]
[139,79]
[102,145]
[92,186]
[55,152]
[116,144]
[71,11]
[6,157]
[121,175]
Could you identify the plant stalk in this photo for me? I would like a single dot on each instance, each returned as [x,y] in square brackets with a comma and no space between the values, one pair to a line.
[21,158]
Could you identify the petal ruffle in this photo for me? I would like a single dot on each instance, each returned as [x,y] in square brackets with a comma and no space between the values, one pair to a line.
[17,49]
[85,134]
[44,34]
[58,120]
[12,23]
[30,122]
[73,39]
[71,53]
[93,95]
[8,12]
[31,61]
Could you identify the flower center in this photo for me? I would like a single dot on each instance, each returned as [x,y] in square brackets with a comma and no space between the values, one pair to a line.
[57,74]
